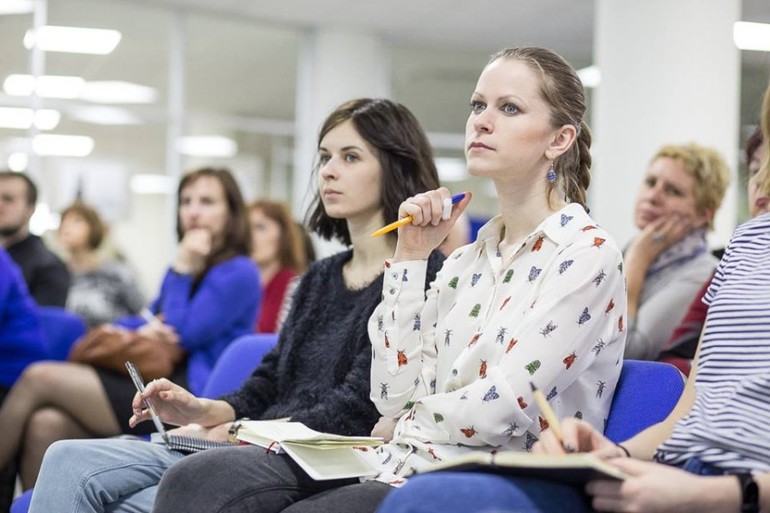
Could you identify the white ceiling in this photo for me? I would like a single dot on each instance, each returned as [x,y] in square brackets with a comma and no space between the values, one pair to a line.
[241,57]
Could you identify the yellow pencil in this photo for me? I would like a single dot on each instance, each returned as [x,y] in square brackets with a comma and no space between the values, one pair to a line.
[395,225]
[547,412]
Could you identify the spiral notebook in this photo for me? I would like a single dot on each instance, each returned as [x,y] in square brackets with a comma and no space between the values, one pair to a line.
[176,442]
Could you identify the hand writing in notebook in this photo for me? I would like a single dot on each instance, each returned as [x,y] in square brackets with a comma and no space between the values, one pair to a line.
[580,435]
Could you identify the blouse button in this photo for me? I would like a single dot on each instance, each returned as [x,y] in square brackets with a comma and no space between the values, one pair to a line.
[392,291]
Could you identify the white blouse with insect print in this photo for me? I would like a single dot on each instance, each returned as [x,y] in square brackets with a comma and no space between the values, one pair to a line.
[455,363]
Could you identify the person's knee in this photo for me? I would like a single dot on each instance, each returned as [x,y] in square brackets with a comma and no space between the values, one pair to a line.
[61,452]
[40,377]
[46,425]
[184,472]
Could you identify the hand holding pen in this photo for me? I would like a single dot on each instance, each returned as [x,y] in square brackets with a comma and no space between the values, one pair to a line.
[432,214]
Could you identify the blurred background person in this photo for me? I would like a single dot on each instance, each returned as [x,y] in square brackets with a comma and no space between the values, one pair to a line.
[680,349]
[667,263]
[101,291]
[278,249]
[45,274]
[21,343]
[209,297]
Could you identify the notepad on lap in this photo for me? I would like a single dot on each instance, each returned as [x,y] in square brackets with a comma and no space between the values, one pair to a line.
[176,442]
[322,455]
[569,468]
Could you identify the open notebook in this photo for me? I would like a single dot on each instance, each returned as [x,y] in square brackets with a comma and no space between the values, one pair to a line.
[176,442]
[322,455]
[568,468]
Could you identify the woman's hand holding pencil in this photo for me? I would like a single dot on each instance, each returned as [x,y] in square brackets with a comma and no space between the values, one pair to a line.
[424,222]
[575,436]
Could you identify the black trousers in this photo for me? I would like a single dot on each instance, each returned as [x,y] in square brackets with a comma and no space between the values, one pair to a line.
[247,479]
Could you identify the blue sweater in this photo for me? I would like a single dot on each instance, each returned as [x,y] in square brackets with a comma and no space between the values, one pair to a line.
[21,338]
[223,306]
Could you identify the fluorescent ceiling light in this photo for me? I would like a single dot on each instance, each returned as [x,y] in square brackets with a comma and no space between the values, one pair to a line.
[116,91]
[72,39]
[590,76]
[46,86]
[18,161]
[62,145]
[152,184]
[16,6]
[752,36]
[207,146]
[451,170]
[23,118]
[104,116]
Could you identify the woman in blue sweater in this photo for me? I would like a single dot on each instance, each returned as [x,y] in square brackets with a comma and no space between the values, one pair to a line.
[209,297]
[21,341]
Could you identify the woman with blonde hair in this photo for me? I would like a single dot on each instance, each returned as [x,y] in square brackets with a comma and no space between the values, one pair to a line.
[667,263]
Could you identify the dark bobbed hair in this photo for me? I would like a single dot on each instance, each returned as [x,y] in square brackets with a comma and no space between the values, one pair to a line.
[31,187]
[562,89]
[752,145]
[403,150]
[291,244]
[96,227]
[237,237]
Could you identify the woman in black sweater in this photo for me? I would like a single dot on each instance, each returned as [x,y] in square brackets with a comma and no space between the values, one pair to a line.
[372,154]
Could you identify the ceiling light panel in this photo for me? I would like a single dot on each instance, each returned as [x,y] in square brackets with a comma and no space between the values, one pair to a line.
[52,38]
[46,86]
[752,36]
[23,118]
[62,145]
[116,91]
[207,146]
[16,6]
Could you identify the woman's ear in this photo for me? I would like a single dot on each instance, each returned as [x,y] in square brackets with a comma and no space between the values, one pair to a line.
[563,139]
[704,218]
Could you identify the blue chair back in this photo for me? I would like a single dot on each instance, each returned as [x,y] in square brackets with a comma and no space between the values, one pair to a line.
[237,362]
[645,395]
[21,504]
[61,329]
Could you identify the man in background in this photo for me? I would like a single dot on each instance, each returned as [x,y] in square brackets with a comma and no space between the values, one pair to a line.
[46,275]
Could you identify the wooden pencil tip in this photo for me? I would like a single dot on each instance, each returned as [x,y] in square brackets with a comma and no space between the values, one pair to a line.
[532,386]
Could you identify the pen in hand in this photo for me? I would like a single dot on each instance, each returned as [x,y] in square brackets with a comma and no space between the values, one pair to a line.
[408,219]
[549,416]
[150,317]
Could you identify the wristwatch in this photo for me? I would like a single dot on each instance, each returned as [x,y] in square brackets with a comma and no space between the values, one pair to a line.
[232,433]
[749,493]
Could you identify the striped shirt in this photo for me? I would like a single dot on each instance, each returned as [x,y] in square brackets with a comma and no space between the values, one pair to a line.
[728,423]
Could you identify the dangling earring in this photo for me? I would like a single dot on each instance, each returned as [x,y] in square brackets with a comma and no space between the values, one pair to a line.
[551,174]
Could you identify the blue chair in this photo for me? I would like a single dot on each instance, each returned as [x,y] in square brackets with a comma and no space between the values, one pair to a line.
[21,504]
[237,362]
[61,329]
[645,395]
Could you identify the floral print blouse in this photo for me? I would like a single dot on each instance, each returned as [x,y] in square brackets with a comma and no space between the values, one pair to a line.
[455,363]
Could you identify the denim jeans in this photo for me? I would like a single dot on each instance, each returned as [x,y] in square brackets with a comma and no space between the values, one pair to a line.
[81,476]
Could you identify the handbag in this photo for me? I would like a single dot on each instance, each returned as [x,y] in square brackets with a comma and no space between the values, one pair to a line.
[109,347]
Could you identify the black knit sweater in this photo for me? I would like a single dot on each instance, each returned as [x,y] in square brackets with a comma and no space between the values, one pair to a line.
[318,373]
